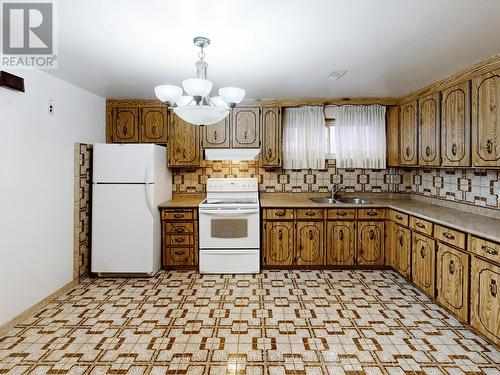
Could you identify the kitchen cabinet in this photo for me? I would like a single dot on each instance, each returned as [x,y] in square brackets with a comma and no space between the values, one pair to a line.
[180,238]
[310,247]
[400,240]
[486,120]
[184,143]
[455,126]
[485,300]
[125,125]
[392,135]
[408,133]
[340,242]
[279,243]
[270,154]
[154,125]
[429,141]
[423,263]
[245,127]
[370,247]
[453,280]
[217,135]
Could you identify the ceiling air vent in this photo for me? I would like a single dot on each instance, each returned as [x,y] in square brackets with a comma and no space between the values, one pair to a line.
[336,74]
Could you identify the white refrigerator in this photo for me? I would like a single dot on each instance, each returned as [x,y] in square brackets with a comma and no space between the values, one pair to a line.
[129,181]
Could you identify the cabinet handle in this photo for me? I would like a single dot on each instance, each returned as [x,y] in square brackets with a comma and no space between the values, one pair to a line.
[489,250]
[153,130]
[125,130]
[401,241]
[215,135]
[280,213]
[454,149]
[178,252]
[310,213]
[489,146]
[341,213]
[245,134]
[270,153]
[420,225]
[180,240]
[451,267]
[399,217]
[310,234]
[372,234]
[372,213]
[422,252]
[427,151]
[179,216]
[280,235]
[178,229]
[493,288]
[448,236]
[407,151]
[341,234]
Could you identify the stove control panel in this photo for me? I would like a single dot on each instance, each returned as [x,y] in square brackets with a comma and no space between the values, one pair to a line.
[232,184]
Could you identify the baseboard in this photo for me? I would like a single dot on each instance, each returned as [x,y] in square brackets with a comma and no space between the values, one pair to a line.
[36,307]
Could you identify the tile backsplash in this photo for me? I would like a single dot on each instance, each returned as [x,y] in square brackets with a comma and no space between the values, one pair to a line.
[469,186]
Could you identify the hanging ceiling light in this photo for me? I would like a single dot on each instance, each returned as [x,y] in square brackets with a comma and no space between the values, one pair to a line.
[198,107]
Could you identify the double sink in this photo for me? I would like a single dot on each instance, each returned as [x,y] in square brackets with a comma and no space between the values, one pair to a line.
[324,200]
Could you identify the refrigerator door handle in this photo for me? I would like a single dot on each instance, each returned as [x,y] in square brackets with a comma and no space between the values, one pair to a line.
[149,198]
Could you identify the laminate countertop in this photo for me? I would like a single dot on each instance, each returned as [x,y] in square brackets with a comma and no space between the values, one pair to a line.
[183,200]
[479,225]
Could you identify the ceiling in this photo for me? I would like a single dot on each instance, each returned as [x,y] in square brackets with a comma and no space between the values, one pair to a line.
[273,48]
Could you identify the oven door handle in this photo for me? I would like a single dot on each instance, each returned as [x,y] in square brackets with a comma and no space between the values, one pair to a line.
[229,213]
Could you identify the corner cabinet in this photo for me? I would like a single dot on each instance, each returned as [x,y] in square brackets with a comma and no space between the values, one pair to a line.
[486,120]
[428,140]
[246,127]
[184,143]
[408,133]
[270,154]
[217,135]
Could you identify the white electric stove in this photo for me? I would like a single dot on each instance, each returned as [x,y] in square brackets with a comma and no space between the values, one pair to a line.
[229,226]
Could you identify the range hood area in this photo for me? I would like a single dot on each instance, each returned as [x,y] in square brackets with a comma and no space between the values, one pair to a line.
[232,154]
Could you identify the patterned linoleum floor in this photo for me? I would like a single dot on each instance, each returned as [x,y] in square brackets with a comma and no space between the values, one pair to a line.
[278,322]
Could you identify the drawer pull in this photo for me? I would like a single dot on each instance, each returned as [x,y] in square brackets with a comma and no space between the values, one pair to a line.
[422,252]
[280,213]
[310,213]
[372,234]
[401,241]
[399,217]
[341,213]
[493,288]
[372,213]
[489,250]
[179,240]
[179,216]
[178,229]
[179,252]
[451,267]
[341,235]
[449,236]
[420,225]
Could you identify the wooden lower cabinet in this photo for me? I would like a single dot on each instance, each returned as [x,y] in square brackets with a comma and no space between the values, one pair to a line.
[485,300]
[423,263]
[400,242]
[340,242]
[310,243]
[453,280]
[370,248]
[180,238]
[279,243]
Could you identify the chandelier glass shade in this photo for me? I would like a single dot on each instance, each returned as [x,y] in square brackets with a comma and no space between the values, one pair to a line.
[197,106]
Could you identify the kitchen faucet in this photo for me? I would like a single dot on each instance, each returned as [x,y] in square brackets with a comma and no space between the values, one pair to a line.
[336,189]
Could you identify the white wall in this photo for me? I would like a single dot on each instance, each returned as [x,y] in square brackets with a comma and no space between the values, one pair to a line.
[36,185]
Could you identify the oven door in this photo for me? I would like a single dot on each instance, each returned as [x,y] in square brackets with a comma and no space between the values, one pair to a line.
[229,228]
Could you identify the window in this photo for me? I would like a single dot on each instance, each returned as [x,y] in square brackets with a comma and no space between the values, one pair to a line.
[331,145]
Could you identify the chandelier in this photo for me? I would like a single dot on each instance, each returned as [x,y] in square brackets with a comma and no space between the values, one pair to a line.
[198,107]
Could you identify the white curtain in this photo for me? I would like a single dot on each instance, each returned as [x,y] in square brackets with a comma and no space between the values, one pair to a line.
[360,136]
[304,143]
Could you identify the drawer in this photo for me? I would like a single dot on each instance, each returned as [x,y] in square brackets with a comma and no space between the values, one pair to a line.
[421,225]
[371,213]
[178,228]
[449,236]
[176,256]
[398,217]
[279,214]
[177,215]
[310,213]
[180,239]
[342,213]
[486,249]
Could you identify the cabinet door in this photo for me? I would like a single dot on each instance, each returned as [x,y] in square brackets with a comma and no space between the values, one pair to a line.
[392,120]
[125,125]
[184,143]
[270,155]
[429,142]
[408,133]
[178,257]
[401,243]
[370,243]
[246,127]
[486,120]
[455,126]
[453,280]
[278,243]
[340,242]
[423,265]
[217,135]
[485,300]
[310,247]
[154,125]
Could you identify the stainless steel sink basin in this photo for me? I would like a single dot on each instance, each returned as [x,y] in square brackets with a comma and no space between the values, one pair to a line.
[339,200]
[324,200]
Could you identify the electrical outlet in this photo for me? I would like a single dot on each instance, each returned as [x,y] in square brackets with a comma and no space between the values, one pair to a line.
[51,107]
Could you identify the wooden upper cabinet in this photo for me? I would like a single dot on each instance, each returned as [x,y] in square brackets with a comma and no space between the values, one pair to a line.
[370,243]
[183,143]
[279,243]
[270,154]
[310,247]
[125,125]
[429,141]
[246,127]
[217,135]
[423,263]
[154,125]
[392,121]
[340,242]
[486,120]
[408,133]
[455,126]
